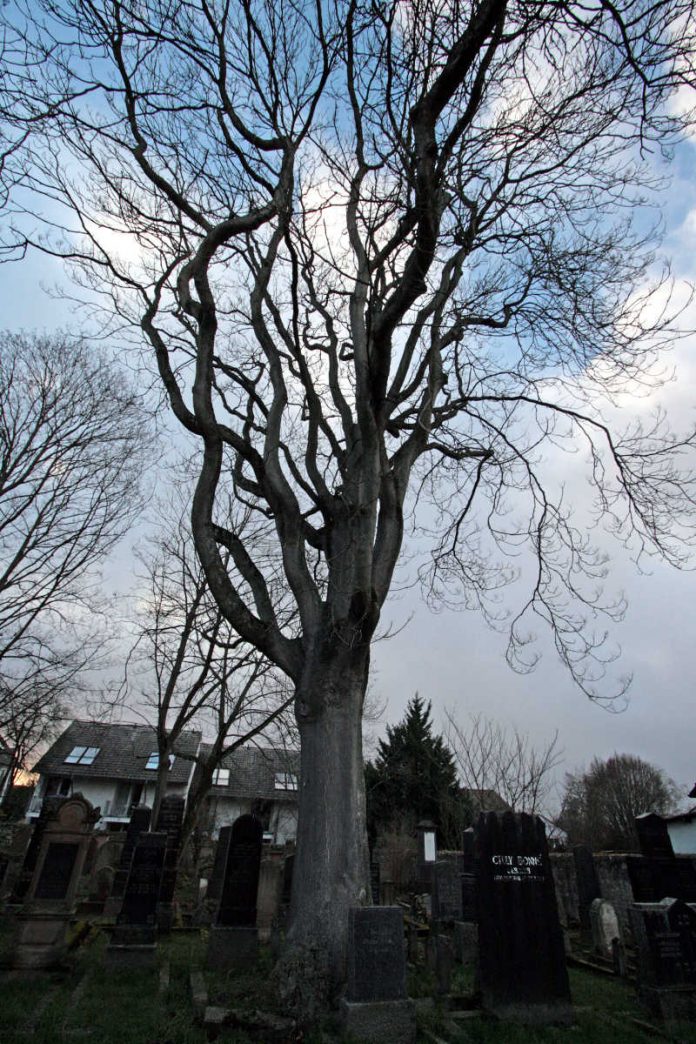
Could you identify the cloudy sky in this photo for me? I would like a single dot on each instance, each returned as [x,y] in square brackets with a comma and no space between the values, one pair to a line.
[452,658]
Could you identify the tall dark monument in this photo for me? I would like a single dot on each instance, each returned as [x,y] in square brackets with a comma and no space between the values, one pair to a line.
[233,937]
[521,954]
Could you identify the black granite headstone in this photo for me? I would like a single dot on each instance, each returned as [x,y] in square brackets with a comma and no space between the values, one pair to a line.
[21,886]
[375,882]
[139,823]
[666,937]
[238,901]
[447,891]
[469,876]
[56,872]
[169,822]
[653,836]
[587,882]
[217,878]
[288,868]
[653,879]
[144,880]
[521,954]
[376,956]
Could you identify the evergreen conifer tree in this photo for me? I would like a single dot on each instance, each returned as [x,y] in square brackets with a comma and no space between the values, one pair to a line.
[413,777]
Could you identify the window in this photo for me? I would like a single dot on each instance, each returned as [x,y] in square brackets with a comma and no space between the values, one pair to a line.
[82,755]
[285,781]
[221,777]
[153,761]
[58,787]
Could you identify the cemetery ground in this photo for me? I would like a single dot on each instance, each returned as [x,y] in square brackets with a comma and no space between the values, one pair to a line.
[91,1002]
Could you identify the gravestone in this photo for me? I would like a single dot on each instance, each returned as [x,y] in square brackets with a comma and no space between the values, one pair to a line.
[21,886]
[233,939]
[139,823]
[375,1006]
[653,878]
[375,882]
[217,876]
[169,822]
[133,940]
[469,873]
[50,898]
[587,882]
[665,935]
[605,927]
[521,954]
[653,836]
[447,892]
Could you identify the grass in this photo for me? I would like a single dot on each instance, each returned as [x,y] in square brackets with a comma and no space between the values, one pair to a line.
[102,1006]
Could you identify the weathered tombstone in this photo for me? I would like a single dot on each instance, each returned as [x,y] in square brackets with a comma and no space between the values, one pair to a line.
[655,878]
[446,892]
[665,934]
[605,927]
[375,1007]
[217,877]
[469,864]
[268,894]
[23,880]
[521,954]
[444,960]
[375,882]
[465,940]
[427,853]
[587,882]
[134,939]
[139,824]
[653,836]
[233,938]
[169,822]
[17,837]
[49,903]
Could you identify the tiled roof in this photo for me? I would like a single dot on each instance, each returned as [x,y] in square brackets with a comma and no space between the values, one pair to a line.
[253,772]
[485,800]
[123,752]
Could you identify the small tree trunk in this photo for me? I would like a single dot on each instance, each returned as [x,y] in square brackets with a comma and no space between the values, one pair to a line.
[331,871]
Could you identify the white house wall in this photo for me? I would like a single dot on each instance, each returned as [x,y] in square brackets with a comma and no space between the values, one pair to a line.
[683,837]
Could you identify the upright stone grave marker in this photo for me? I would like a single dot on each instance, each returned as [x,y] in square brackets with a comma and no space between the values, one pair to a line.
[139,823]
[653,836]
[375,1007]
[587,882]
[665,933]
[605,927]
[233,938]
[134,939]
[521,955]
[169,821]
[469,875]
[217,877]
[49,904]
[21,886]
[447,891]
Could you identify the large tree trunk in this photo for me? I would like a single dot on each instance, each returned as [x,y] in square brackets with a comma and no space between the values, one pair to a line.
[331,871]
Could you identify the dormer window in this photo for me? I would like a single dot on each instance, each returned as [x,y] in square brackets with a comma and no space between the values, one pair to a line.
[285,781]
[82,755]
[221,777]
[153,761]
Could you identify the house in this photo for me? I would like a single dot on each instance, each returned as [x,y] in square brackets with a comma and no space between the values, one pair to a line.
[259,780]
[681,828]
[113,766]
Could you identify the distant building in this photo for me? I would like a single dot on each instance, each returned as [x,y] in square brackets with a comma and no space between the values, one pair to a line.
[681,828]
[259,780]
[484,800]
[113,766]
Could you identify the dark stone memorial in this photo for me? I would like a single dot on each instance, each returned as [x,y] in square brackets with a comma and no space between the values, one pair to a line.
[133,941]
[50,898]
[447,892]
[665,934]
[21,886]
[139,824]
[217,877]
[653,836]
[375,1006]
[375,882]
[587,882]
[233,938]
[469,876]
[654,878]
[169,822]
[522,966]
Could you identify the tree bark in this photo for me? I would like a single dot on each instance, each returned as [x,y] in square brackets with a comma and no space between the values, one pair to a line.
[331,871]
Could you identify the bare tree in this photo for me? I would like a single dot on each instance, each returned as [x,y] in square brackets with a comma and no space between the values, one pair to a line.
[600,805]
[491,758]
[188,668]
[377,249]
[71,455]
